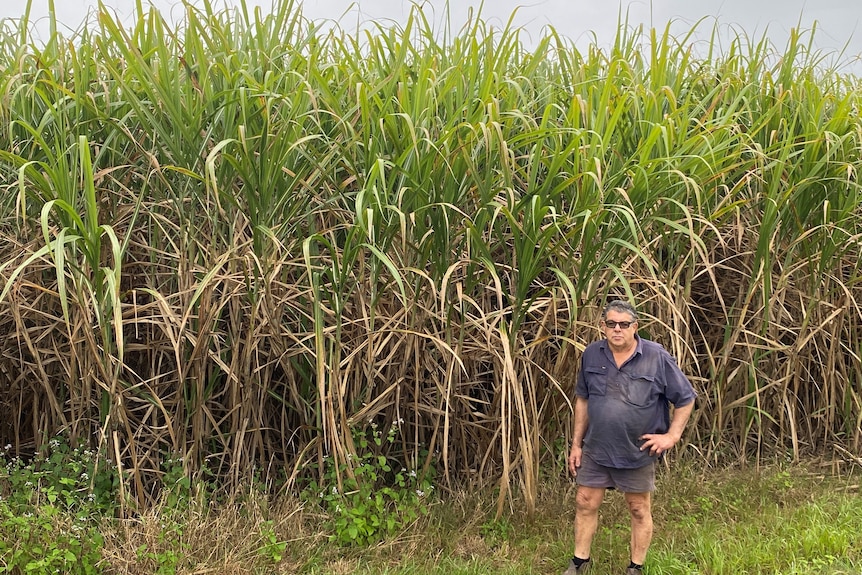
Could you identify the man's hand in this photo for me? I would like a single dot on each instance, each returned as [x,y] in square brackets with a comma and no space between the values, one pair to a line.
[575,459]
[658,443]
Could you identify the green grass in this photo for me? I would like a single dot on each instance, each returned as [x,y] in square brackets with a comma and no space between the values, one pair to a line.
[778,521]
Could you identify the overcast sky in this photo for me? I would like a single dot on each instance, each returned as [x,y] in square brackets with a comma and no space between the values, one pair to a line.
[838,21]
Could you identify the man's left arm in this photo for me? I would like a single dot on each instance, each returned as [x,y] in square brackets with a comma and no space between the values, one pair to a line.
[658,443]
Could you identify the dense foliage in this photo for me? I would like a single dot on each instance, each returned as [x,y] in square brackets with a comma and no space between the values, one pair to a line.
[236,242]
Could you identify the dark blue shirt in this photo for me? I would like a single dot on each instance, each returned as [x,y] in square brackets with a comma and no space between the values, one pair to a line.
[625,403]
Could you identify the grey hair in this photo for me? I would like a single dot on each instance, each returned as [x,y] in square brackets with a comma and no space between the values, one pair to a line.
[620,306]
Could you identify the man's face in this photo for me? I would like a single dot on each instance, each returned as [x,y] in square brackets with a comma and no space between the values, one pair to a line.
[619,338]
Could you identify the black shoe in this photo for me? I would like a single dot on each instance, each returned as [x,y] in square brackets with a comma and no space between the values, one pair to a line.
[573,570]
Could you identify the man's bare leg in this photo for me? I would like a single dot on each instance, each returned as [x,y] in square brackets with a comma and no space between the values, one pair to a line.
[641,514]
[588,501]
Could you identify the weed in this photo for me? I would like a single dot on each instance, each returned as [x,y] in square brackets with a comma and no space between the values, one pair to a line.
[496,531]
[272,549]
[375,500]
[52,508]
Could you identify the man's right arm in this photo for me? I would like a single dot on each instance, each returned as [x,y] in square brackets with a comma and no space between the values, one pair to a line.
[580,429]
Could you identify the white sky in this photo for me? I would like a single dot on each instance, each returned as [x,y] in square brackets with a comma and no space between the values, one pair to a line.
[838,21]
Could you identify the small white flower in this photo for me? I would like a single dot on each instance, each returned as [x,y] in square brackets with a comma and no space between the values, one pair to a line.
[420,493]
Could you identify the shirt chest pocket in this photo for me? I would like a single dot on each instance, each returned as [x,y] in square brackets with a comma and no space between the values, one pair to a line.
[639,390]
[596,377]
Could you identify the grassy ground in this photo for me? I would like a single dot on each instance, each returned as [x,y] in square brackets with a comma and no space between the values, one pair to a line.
[782,520]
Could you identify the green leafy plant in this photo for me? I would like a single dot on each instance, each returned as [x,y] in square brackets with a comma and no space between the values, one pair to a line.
[51,510]
[496,531]
[375,500]
[176,483]
[166,560]
[272,548]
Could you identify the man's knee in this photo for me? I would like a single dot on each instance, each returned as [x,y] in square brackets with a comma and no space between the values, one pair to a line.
[589,498]
[639,506]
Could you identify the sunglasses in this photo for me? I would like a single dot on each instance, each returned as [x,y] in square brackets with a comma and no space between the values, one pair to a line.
[622,324]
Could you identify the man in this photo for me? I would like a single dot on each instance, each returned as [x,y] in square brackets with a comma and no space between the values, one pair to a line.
[622,426]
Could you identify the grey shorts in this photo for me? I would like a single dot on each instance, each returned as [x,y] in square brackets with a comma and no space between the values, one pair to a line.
[640,480]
